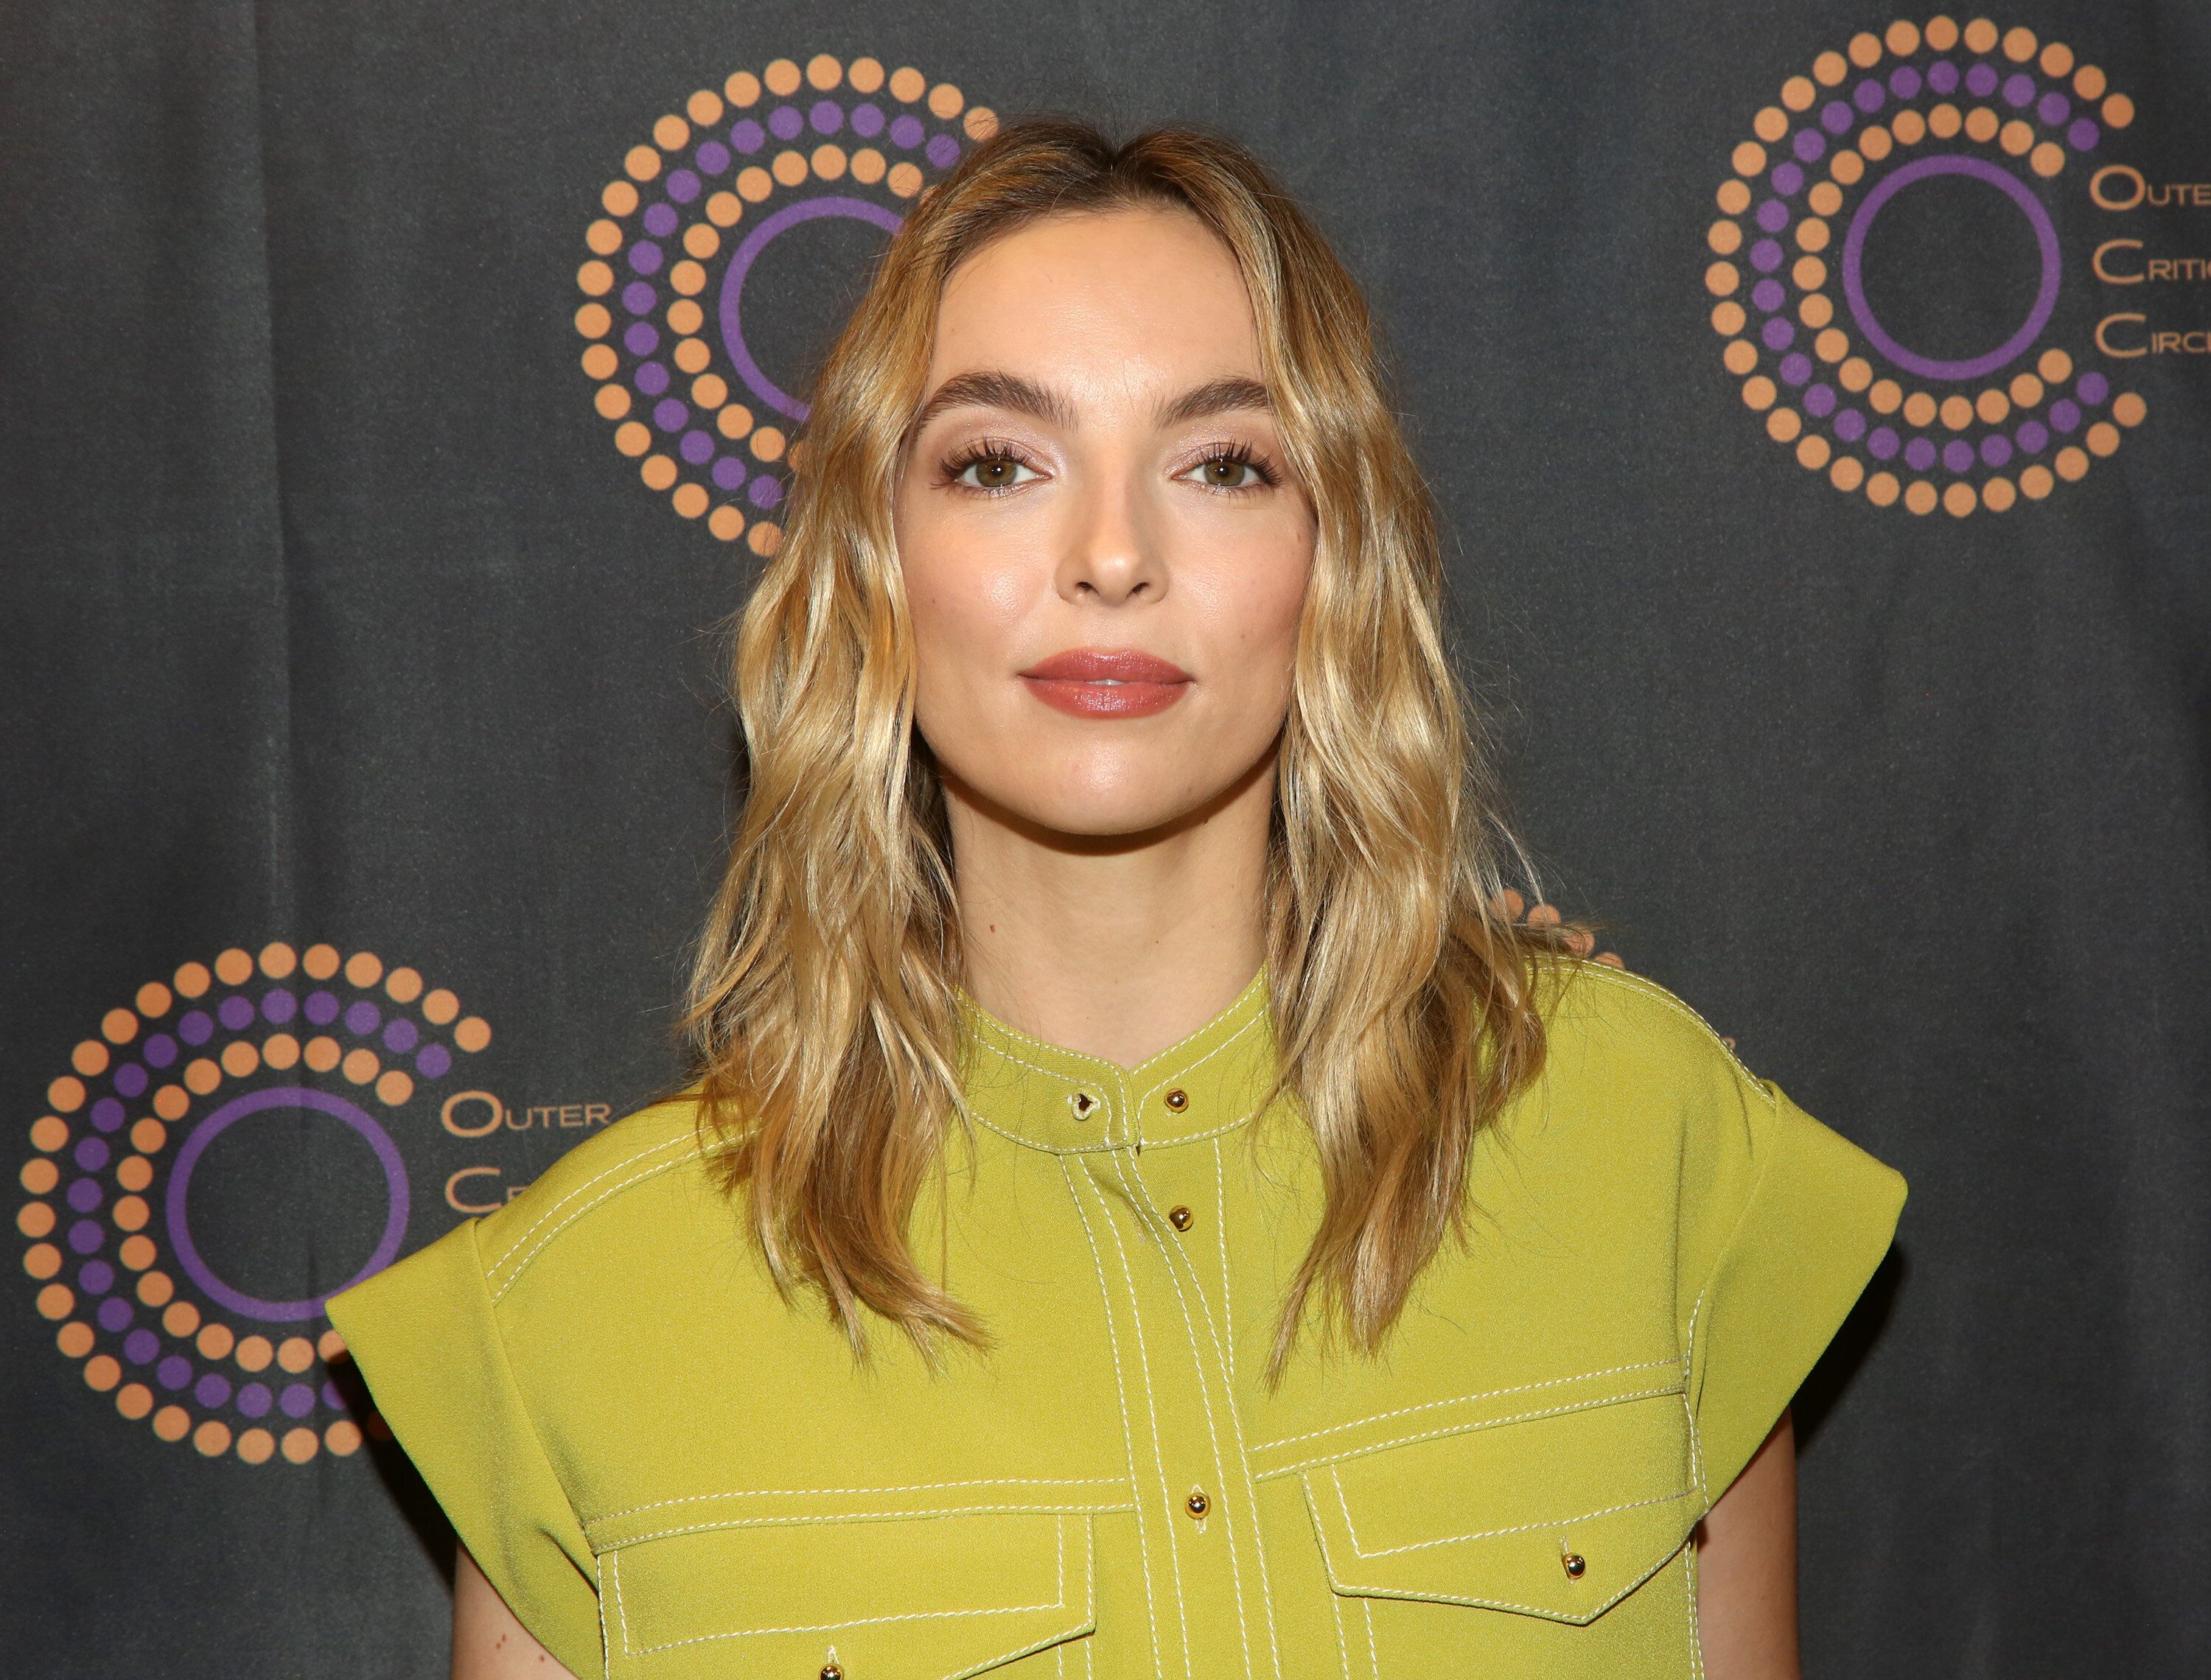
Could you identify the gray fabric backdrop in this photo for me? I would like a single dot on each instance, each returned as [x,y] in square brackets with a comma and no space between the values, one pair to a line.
[340,609]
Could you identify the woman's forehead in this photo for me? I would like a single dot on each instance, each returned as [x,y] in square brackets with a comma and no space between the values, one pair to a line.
[1098,301]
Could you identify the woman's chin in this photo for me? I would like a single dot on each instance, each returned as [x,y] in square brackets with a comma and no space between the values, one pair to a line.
[1105,824]
[1083,814]
[1113,793]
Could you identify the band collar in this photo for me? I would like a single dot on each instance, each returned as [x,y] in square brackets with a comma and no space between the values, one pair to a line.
[1062,1100]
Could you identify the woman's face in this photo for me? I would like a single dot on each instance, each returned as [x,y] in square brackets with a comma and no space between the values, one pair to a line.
[1104,552]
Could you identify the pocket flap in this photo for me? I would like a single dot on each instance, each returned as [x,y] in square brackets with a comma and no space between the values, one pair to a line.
[1559,1517]
[927,1598]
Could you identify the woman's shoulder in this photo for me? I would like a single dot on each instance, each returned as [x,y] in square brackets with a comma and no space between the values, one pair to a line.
[604,1205]
[1609,1031]
[621,1191]
[482,1346]
[1641,1102]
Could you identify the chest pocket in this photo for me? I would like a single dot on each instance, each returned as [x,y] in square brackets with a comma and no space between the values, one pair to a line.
[1559,1517]
[915,1598]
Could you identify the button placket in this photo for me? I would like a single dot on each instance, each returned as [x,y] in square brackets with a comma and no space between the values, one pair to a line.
[1209,1414]
[1141,1201]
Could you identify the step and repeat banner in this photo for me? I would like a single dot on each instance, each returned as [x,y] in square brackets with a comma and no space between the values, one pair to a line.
[396,400]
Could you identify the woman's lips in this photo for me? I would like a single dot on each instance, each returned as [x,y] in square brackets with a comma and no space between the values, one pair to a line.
[1107,682]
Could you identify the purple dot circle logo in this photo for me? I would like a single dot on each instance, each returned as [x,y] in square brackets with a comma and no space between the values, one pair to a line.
[674,299]
[139,1303]
[1846,392]
[177,1202]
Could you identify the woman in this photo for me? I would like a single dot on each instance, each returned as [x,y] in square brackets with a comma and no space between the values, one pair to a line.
[1145,1210]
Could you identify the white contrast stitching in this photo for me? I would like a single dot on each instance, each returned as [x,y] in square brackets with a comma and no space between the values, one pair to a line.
[1100,1147]
[1696,1633]
[1516,1528]
[1060,1603]
[859,1622]
[1058,1078]
[1224,1357]
[1460,1399]
[1059,1638]
[1696,1436]
[522,1265]
[1200,1136]
[622,1615]
[1120,1077]
[1343,1646]
[1151,1407]
[1184,1072]
[1650,989]
[1549,1611]
[1140,1199]
[1110,1142]
[1227,1297]
[1055,1075]
[838,1493]
[599,1586]
[1373,1647]
[622,1165]
[1494,1422]
[1047,1046]
[1120,1393]
[993,1022]
[1256,983]
[1090,1591]
[874,1516]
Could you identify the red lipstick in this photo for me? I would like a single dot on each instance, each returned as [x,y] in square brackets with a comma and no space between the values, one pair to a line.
[1107,682]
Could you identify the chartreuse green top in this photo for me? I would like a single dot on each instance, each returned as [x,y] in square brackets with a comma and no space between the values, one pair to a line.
[669,1472]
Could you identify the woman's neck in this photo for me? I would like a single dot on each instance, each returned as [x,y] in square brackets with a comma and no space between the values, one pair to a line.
[1117,947]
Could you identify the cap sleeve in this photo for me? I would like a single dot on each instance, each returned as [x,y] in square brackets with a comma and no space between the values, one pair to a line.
[423,1335]
[1794,1219]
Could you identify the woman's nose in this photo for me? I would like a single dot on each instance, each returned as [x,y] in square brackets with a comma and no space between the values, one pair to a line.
[1112,551]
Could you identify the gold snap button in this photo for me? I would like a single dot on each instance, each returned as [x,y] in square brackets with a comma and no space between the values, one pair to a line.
[1197,1504]
[1083,1103]
[1179,1218]
[1178,1100]
[830,1672]
[1575,1565]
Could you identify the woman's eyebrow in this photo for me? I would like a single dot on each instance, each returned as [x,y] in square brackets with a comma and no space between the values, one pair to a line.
[1215,396]
[991,388]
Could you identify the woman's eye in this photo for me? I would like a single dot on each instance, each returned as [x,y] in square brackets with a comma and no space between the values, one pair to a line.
[993,472]
[1225,472]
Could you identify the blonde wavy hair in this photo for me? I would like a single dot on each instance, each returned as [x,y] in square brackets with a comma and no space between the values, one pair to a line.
[825,1006]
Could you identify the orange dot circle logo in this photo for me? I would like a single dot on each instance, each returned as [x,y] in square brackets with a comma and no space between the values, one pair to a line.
[673,327]
[111,1251]
[1992,111]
